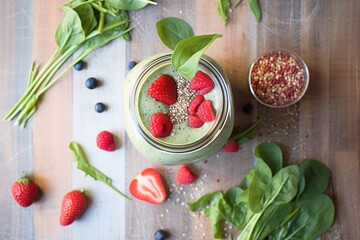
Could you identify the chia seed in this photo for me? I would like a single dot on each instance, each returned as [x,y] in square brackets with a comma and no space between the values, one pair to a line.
[178,112]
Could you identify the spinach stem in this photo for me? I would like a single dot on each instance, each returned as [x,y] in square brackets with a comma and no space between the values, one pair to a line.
[101,22]
[118,191]
[31,89]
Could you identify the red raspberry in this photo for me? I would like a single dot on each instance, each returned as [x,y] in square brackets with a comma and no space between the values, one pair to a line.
[194,104]
[105,141]
[206,112]
[184,176]
[202,83]
[231,146]
[195,121]
[164,89]
[160,125]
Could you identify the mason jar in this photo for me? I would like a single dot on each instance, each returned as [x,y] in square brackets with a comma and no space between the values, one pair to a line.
[186,144]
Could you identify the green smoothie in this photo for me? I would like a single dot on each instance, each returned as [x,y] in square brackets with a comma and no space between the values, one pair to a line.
[185,144]
[182,132]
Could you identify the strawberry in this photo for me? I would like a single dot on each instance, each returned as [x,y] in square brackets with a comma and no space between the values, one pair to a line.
[72,206]
[105,141]
[194,104]
[195,121]
[24,191]
[202,83]
[231,146]
[206,112]
[164,89]
[148,186]
[160,125]
[184,176]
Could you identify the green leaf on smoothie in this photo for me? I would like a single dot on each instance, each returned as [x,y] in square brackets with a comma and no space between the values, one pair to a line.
[172,30]
[188,52]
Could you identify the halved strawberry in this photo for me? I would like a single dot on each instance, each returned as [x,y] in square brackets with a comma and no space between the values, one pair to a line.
[160,125]
[148,186]
[206,112]
[194,104]
[202,83]
[164,89]
[195,121]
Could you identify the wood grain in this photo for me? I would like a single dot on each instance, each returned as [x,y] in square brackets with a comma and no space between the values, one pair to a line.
[324,125]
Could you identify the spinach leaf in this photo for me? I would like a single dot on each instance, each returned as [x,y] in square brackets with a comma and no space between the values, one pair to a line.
[270,153]
[223,6]
[130,4]
[245,136]
[69,32]
[259,184]
[283,186]
[245,183]
[315,178]
[203,202]
[314,217]
[83,165]
[273,217]
[237,210]
[172,30]
[255,8]
[188,52]
[87,17]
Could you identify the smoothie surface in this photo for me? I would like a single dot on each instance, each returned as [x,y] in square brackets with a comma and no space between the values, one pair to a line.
[182,133]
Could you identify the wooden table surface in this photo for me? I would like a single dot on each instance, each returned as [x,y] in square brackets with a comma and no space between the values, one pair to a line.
[324,125]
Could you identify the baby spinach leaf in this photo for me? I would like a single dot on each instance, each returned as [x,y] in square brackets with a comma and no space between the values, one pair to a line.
[69,32]
[259,184]
[315,216]
[273,217]
[245,136]
[172,30]
[188,52]
[272,155]
[245,183]
[204,201]
[283,186]
[255,8]
[238,211]
[223,6]
[130,4]
[83,165]
[315,177]
[87,17]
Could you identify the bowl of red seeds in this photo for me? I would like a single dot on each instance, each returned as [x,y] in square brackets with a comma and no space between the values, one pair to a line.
[278,78]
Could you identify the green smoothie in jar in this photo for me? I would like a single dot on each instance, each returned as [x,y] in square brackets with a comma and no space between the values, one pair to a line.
[185,144]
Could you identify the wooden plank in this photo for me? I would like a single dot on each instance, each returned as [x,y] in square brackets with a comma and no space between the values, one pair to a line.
[15,143]
[52,129]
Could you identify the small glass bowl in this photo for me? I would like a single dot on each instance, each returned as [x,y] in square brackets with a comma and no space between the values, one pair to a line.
[278,78]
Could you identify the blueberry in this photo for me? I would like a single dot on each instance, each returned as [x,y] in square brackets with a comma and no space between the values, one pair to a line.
[131,65]
[248,108]
[99,107]
[91,83]
[161,235]
[80,65]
